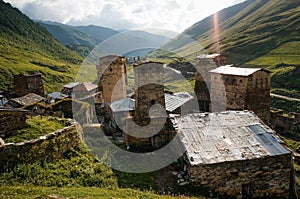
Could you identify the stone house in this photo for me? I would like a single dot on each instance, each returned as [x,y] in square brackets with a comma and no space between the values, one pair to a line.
[24,84]
[68,88]
[234,88]
[235,154]
[204,63]
[11,120]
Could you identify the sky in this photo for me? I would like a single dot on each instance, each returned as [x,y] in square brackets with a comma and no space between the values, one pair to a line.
[172,15]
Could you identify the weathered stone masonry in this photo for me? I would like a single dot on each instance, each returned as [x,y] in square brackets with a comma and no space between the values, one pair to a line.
[25,84]
[267,177]
[46,148]
[10,120]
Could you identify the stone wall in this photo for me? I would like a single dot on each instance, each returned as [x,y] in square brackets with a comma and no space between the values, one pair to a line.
[46,148]
[258,95]
[112,78]
[270,177]
[155,138]
[24,84]
[149,89]
[232,92]
[10,120]
[290,123]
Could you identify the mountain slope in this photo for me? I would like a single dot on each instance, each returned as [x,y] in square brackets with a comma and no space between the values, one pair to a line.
[255,33]
[26,47]
[98,32]
[67,35]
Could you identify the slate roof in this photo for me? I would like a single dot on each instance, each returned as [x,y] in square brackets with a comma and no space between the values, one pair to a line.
[211,138]
[230,70]
[28,99]
[176,100]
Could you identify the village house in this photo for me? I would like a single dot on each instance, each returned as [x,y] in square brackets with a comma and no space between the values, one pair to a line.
[235,154]
[24,84]
[234,88]
[68,88]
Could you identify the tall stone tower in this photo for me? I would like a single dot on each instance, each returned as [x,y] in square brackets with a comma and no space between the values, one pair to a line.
[149,88]
[24,84]
[204,63]
[112,78]
[147,128]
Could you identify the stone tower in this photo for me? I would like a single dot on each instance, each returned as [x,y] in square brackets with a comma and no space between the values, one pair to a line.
[145,130]
[204,63]
[112,78]
[24,84]
[242,89]
[149,88]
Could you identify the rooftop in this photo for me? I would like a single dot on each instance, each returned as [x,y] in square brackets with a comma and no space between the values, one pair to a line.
[28,99]
[211,138]
[122,105]
[85,87]
[207,56]
[71,85]
[176,100]
[230,70]
[57,95]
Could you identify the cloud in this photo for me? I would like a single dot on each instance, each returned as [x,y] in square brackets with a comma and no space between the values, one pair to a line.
[174,15]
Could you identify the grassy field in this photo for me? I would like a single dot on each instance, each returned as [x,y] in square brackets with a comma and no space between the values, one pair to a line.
[24,192]
[35,127]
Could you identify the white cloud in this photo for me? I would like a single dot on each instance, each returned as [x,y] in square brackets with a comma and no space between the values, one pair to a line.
[174,15]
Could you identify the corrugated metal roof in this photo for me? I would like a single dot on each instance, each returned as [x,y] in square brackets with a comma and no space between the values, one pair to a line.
[57,95]
[230,70]
[227,136]
[176,100]
[122,105]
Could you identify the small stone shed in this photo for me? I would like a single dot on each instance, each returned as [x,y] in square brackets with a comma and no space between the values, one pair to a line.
[235,154]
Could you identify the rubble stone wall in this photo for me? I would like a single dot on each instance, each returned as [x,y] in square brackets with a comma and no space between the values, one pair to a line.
[46,148]
[11,120]
[268,177]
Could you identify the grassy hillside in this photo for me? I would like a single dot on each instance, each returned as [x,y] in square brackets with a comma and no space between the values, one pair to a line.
[255,33]
[26,47]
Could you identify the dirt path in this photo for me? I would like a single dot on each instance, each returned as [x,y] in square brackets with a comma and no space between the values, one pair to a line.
[285,97]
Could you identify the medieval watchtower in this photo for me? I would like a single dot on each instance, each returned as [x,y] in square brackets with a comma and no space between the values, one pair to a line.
[112,78]
[149,108]
[204,63]
[24,84]
[149,88]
